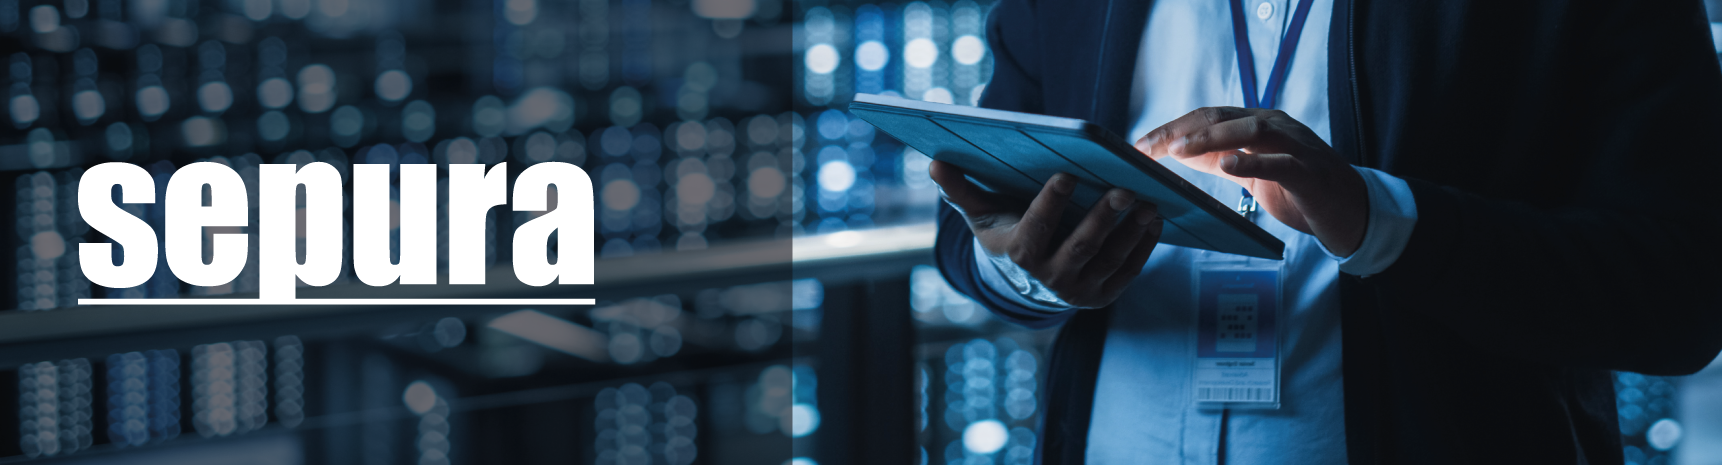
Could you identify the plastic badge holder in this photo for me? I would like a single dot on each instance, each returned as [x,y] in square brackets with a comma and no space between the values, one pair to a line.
[1238,334]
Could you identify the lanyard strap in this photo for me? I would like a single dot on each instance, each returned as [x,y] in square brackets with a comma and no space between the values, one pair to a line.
[1247,61]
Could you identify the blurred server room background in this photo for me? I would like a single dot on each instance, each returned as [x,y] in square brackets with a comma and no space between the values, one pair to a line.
[765,288]
[976,377]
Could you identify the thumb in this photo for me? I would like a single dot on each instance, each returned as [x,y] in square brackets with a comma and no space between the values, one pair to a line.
[965,196]
[1277,167]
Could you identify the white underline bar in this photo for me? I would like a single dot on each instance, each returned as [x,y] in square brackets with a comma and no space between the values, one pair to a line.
[337,302]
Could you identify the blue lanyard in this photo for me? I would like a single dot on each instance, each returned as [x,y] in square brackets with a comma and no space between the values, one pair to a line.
[1247,61]
[1277,77]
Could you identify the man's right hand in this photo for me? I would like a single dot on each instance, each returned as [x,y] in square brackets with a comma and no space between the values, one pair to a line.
[1088,268]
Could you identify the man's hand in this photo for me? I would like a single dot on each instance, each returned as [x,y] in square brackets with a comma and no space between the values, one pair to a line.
[1292,173]
[1090,267]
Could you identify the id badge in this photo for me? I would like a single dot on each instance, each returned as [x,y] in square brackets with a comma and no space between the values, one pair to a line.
[1237,356]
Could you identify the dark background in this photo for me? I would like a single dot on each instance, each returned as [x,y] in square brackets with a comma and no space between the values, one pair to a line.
[765,294]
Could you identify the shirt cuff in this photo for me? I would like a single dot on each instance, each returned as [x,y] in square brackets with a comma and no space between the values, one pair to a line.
[1014,283]
[1392,215]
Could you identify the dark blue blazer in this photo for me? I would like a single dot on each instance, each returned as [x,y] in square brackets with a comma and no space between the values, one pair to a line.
[1564,159]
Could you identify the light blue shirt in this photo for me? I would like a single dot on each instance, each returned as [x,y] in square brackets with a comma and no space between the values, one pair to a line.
[1142,409]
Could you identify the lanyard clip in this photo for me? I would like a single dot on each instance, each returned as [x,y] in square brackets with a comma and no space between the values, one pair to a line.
[1247,204]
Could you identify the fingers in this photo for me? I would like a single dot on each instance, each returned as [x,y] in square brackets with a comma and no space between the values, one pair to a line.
[1278,167]
[1251,134]
[1034,232]
[1125,239]
[1156,143]
[1137,258]
[1088,238]
[1091,265]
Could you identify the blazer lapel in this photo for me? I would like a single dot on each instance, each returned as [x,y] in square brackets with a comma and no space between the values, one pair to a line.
[1121,37]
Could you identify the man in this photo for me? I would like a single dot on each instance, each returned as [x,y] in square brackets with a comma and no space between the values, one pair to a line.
[1487,207]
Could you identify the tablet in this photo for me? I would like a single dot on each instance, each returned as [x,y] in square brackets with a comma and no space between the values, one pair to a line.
[1015,153]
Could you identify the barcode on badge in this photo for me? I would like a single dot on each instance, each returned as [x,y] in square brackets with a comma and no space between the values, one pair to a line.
[1234,394]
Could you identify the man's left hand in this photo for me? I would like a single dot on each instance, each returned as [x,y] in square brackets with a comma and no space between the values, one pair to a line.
[1293,174]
